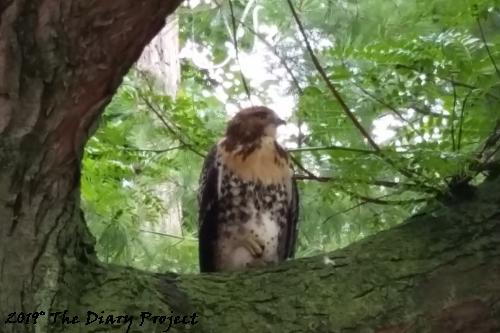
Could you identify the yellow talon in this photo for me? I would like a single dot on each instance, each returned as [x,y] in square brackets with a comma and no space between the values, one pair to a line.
[253,245]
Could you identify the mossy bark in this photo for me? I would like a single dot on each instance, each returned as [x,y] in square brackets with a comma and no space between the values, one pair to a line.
[438,272]
[61,61]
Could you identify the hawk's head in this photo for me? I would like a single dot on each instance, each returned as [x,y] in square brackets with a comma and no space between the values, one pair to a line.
[253,123]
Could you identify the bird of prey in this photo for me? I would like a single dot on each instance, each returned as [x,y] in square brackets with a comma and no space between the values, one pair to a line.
[248,200]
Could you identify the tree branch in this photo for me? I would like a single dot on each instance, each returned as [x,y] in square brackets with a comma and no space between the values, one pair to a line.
[373,182]
[394,281]
[311,176]
[378,201]
[159,151]
[281,59]
[332,147]
[169,128]
[462,115]
[427,112]
[235,42]
[340,100]
[452,118]
[456,83]
[483,38]
[168,235]
[329,84]
[344,211]
[390,107]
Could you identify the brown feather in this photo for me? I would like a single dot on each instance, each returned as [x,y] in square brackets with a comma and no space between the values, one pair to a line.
[263,164]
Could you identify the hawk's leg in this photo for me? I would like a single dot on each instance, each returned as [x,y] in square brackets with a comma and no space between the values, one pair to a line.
[253,244]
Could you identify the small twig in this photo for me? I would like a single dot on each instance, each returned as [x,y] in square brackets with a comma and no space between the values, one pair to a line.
[235,42]
[390,107]
[384,202]
[380,101]
[483,37]
[460,124]
[159,151]
[329,84]
[452,118]
[361,203]
[300,134]
[284,63]
[169,128]
[167,235]
[456,83]
[377,200]
[428,112]
[311,176]
[340,100]
[333,147]
[301,167]
[282,60]
[383,183]
[347,210]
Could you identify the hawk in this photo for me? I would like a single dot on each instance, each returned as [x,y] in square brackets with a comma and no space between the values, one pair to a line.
[248,200]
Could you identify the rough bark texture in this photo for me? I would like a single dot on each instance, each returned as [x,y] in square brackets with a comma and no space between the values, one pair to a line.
[60,63]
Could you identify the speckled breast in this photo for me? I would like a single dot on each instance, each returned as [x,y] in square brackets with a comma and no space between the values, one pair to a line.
[249,210]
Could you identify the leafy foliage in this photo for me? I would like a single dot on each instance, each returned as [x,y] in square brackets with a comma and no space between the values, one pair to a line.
[421,77]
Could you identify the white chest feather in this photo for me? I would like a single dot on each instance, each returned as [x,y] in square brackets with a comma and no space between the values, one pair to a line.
[254,191]
[234,252]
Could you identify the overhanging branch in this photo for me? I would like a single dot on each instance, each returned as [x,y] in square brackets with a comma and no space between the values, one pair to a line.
[329,84]
[485,43]
[407,173]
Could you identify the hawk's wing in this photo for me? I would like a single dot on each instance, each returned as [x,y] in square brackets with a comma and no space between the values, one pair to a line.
[292,222]
[208,211]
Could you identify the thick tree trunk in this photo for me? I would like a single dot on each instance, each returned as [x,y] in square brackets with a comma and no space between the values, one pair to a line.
[161,57]
[60,63]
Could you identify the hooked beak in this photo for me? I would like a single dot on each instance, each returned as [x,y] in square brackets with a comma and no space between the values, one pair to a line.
[278,121]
